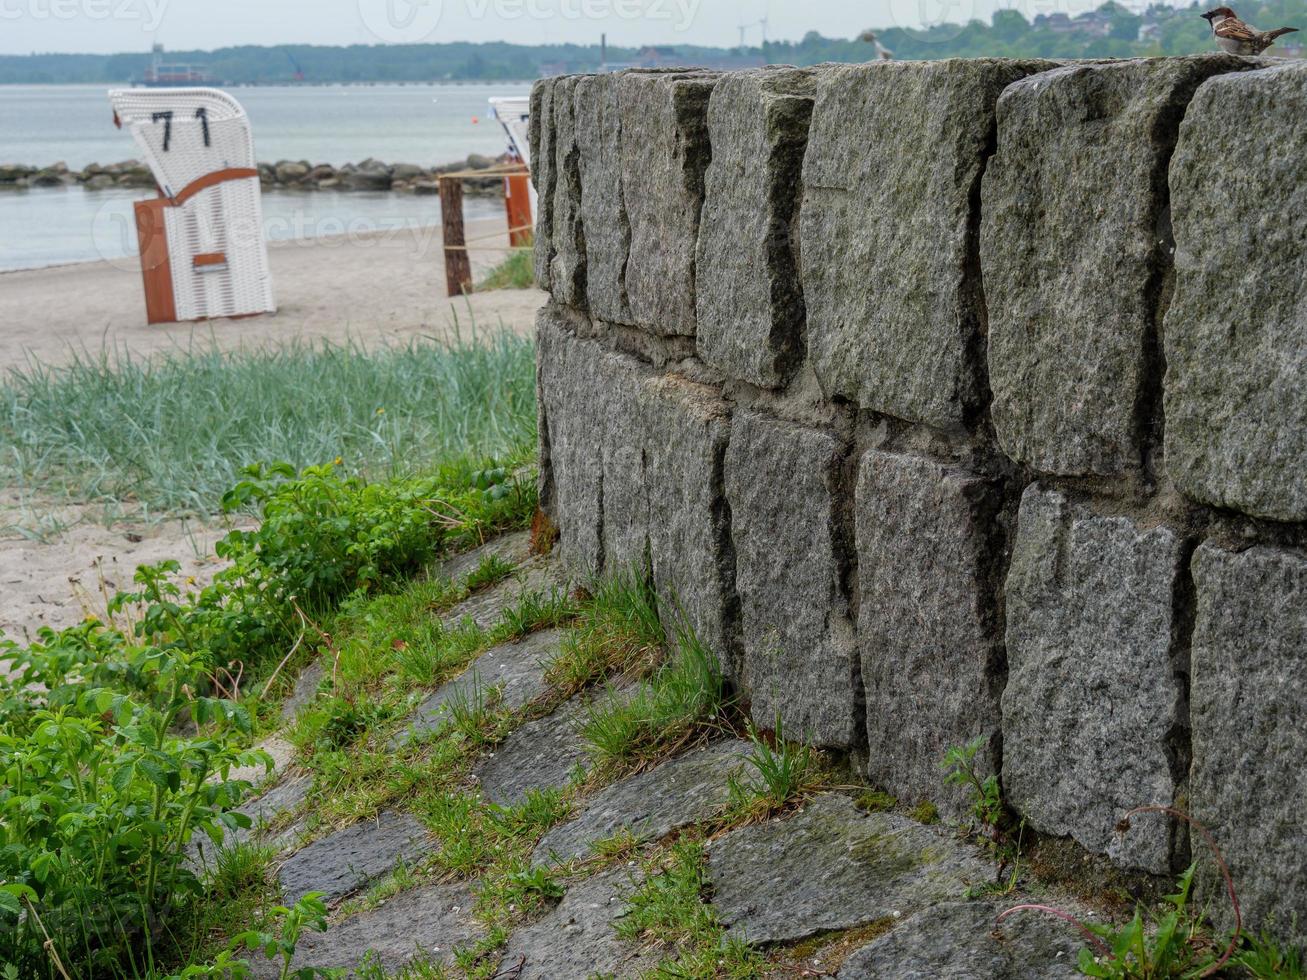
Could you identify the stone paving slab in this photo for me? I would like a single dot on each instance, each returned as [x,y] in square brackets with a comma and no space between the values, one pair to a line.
[513,548]
[306,687]
[516,669]
[542,754]
[577,939]
[685,790]
[348,859]
[485,608]
[832,866]
[425,922]
[959,941]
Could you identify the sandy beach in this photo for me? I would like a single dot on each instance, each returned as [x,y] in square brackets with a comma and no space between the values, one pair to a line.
[374,289]
[378,287]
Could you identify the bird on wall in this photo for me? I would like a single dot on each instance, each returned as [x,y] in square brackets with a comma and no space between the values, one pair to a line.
[1236,37]
[882,53]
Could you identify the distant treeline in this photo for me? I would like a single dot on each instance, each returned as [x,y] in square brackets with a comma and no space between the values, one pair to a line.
[1109,31]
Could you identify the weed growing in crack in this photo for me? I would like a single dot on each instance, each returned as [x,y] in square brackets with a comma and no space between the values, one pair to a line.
[960,768]
[668,909]
[492,570]
[1177,942]
[535,611]
[619,634]
[674,706]
[778,773]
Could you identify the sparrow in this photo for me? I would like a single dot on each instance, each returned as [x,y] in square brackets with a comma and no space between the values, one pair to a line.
[1236,37]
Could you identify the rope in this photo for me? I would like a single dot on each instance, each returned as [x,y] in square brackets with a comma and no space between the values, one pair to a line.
[485,238]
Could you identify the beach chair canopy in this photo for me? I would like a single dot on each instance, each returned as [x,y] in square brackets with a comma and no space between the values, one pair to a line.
[198,145]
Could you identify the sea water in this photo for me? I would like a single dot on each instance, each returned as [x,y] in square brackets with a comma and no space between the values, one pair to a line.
[422,124]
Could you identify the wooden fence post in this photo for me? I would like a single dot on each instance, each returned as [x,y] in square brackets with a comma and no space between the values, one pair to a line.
[458,266]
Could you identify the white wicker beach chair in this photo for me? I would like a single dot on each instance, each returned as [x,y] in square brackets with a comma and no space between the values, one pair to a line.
[203,238]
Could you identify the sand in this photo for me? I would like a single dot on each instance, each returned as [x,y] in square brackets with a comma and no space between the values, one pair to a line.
[376,289]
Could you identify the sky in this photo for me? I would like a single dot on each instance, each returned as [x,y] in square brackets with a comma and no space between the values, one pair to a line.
[102,26]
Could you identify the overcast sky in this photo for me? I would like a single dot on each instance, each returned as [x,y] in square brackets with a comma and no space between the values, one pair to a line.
[132,25]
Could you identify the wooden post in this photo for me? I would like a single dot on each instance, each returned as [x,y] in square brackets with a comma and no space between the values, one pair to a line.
[517,202]
[458,267]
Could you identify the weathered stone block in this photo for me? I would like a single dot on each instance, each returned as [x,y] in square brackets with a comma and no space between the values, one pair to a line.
[635,476]
[421,924]
[348,859]
[599,125]
[620,428]
[929,559]
[959,941]
[783,484]
[1236,331]
[568,378]
[686,430]
[1093,704]
[567,249]
[687,789]
[1075,243]
[1248,691]
[895,312]
[665,152]
[832,866]
[578,937]
[749,299]
[542,175]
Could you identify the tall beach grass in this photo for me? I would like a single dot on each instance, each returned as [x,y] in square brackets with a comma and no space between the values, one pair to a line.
[172,432]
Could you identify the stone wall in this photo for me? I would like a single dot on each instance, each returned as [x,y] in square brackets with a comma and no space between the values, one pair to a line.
[959,399]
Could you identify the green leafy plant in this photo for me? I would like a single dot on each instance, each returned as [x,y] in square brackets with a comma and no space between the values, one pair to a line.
[280,936]
[987,800]
[101,795]
[1175,943]
[537,880]
[115,745]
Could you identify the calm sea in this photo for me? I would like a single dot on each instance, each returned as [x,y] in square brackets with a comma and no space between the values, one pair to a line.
[422,124]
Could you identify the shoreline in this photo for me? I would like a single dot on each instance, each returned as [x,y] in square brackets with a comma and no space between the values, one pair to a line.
[369,174]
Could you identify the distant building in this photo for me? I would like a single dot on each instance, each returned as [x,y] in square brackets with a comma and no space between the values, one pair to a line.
[162,74]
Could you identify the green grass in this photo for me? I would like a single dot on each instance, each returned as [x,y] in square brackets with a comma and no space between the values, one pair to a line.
[668,909]
[680,702]
[776,774]
[515,272]
[173,432]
